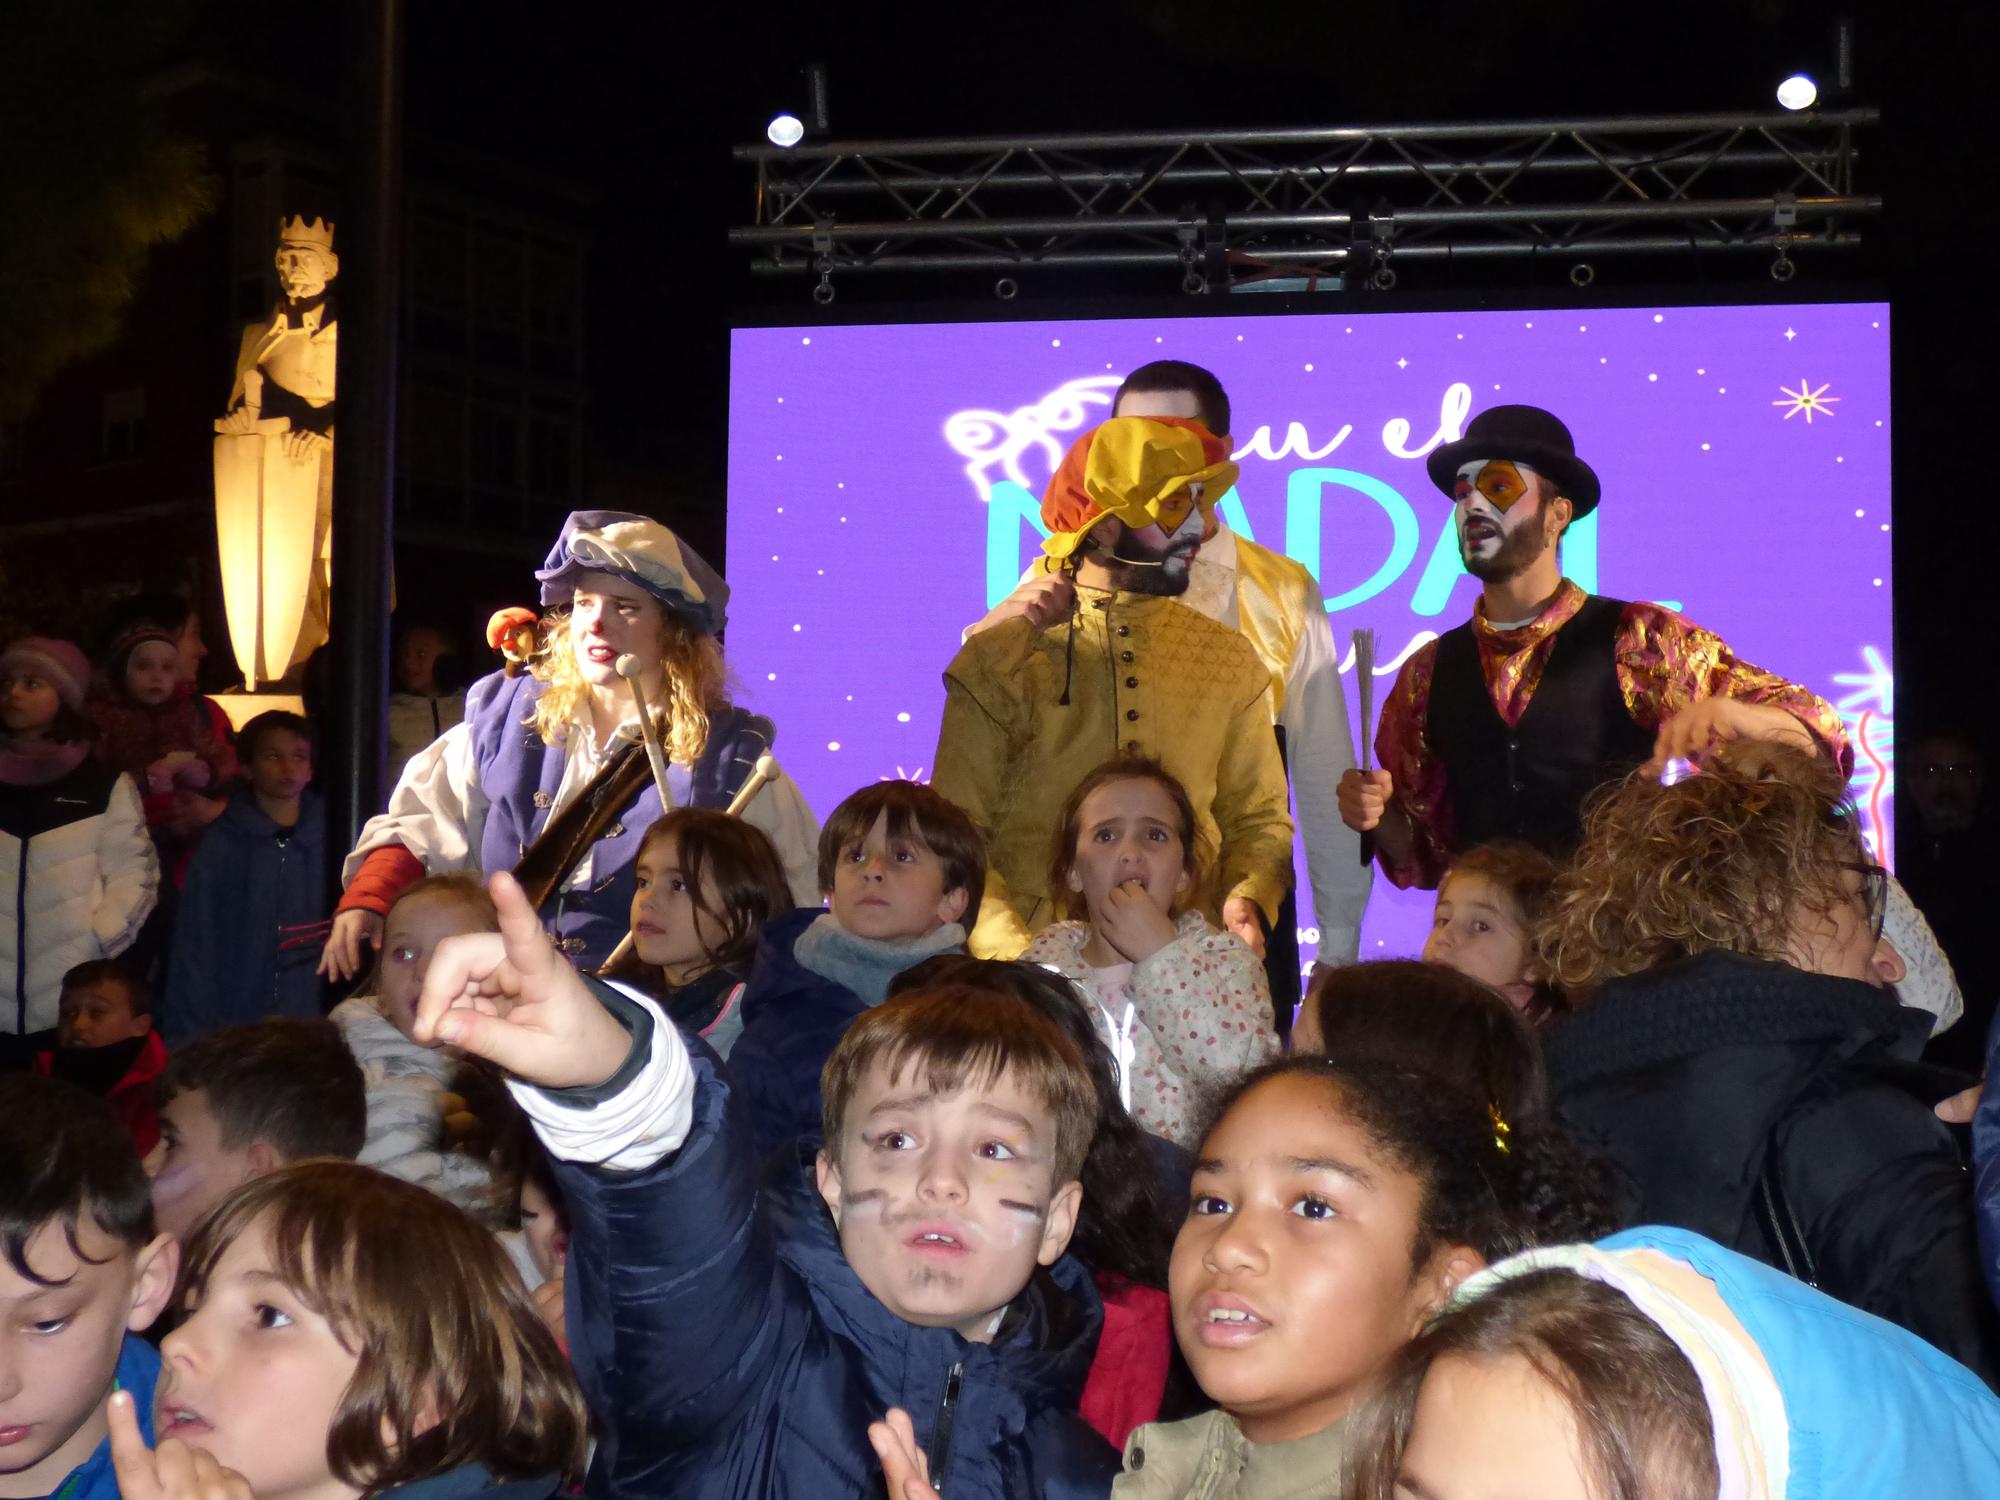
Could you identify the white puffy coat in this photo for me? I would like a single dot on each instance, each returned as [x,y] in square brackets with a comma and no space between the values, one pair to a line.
[78,876]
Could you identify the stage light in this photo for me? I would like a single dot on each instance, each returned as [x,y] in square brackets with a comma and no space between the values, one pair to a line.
[1798,92]
[786,130]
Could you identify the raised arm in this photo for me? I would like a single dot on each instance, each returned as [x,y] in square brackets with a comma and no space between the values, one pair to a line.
[678,1312]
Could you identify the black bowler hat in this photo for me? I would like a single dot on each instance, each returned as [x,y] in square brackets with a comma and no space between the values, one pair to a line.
[1527,435]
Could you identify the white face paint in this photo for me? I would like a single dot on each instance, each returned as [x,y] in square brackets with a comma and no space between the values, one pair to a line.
[946,1202]
[1500,536]
[1486,508]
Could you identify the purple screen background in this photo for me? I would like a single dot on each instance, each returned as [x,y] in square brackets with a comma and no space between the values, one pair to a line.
[877,476]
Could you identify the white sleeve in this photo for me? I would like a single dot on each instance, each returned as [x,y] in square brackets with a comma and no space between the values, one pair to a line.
[436,812]
[1032,570]
[128,870]
[644,1121]
[782,812]
[1318,747]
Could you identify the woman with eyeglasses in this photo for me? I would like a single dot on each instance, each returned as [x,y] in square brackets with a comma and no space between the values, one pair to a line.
[1739,1051]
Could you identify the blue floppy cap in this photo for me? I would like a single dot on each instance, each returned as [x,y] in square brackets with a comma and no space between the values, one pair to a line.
[641,550]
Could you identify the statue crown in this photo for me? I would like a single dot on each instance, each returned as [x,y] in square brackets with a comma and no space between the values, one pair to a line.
[296,231]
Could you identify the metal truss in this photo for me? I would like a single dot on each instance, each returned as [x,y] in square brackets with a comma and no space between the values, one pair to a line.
[1240,206]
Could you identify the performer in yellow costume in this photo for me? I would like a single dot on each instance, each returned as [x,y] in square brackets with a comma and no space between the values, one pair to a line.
[1031,708]
[1278,606]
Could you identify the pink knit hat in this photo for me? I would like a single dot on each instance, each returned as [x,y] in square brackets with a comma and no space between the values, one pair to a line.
[65,668]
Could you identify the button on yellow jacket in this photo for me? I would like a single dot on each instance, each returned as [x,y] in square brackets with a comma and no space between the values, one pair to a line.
[1149,675]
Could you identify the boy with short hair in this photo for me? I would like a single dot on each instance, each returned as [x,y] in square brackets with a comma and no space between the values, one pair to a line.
[105,1042]
[737,1342]
[242,1102]
[252,916]
[900,866]
[82,1274]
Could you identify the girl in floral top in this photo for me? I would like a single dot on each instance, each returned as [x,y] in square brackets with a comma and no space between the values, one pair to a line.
[1183,1005]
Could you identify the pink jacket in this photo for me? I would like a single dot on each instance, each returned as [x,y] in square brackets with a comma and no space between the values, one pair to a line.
[1193,1016]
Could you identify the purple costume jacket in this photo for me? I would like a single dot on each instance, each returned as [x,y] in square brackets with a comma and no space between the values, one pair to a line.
[520,777]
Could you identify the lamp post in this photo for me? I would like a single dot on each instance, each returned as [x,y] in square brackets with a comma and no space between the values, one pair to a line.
[364,481]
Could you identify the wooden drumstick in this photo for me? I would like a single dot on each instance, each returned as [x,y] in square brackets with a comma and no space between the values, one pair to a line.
[761,775]
[627,667]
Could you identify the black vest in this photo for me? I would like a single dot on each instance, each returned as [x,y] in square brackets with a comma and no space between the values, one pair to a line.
[1529,781]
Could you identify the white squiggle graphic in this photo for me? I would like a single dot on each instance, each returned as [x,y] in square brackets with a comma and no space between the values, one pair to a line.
[992,439]
[1297,440]
[1451,424]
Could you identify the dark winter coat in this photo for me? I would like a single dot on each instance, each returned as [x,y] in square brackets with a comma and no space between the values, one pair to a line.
[792,1020]
[1689,1076]
[251,923]
[794,1016]
[733,1353]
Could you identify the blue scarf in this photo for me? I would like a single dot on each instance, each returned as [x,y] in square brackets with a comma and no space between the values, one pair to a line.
[866,965]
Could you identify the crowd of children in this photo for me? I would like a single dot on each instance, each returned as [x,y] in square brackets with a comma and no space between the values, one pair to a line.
[789,1201]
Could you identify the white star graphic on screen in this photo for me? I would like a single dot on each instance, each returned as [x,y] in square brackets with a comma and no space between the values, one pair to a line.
[1790,334]
[902,775]
[1402,364]
[1806,399]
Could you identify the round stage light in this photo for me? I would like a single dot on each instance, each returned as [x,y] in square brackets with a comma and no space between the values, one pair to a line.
[785,130]
[1798,92]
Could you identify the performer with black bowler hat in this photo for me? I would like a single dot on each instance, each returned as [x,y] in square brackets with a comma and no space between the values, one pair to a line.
[1501,727]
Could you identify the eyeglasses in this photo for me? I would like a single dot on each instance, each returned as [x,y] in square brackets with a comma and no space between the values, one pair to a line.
[1874,891]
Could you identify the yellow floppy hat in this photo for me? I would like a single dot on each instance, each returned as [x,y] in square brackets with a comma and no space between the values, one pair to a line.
[1142,470]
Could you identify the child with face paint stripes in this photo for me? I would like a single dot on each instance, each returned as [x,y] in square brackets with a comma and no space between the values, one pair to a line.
[731,1322]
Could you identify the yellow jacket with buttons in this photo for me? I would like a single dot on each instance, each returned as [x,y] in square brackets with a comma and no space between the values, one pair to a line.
[1150,675]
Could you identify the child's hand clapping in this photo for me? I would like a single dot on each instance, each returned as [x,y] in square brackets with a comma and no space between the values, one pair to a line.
[1133,923]
[510,998]
[174,1472]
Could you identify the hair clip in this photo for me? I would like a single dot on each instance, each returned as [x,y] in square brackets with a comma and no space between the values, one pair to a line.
[1501,1129]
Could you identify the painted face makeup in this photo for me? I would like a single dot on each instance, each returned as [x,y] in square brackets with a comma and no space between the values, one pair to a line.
[609,617]
[1497,534]
[946,1202]
[1154,559]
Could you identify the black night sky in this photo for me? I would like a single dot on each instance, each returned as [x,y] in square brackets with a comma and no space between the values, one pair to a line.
[641,103]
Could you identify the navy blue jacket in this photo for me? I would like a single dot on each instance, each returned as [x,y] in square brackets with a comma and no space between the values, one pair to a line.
[792,1020]
[733,1353]
[250,927]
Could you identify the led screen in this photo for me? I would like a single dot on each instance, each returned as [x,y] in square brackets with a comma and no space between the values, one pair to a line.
[884,485]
